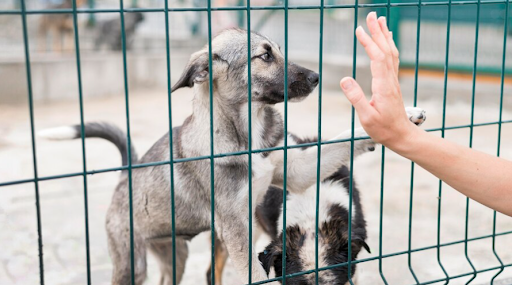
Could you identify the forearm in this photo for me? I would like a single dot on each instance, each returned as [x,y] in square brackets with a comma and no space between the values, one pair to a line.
[482,177]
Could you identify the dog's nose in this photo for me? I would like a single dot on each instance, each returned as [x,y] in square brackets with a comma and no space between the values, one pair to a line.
[313,78]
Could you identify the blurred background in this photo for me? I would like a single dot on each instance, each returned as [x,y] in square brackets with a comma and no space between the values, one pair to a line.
[411,198]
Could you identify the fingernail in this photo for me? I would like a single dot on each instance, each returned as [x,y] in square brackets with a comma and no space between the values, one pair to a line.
[357,29]
[347,85]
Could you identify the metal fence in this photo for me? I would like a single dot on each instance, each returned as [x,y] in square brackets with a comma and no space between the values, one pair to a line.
[336,21]
[387,7]
[491,16]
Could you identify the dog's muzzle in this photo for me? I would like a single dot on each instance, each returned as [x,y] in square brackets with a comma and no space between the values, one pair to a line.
[313,79]
[304,84]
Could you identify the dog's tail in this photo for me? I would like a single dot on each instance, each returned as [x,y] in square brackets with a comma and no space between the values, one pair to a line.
[102,130]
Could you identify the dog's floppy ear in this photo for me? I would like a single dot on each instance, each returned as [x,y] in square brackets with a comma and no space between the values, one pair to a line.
[361,244]
[196,71]
[269,257]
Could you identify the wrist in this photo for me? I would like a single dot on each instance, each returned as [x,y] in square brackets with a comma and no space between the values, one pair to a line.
[407,141]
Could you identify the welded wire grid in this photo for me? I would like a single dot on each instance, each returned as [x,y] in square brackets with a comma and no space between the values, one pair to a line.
[388,6]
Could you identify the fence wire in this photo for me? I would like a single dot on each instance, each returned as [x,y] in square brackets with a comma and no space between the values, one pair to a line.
[23,13]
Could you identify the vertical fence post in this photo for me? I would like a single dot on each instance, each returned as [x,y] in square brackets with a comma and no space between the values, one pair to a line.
[92,17]
[394,24]
[128,138]
[471,128]
[82,138]
[381,213]
[383,158]
[351,172]
[285,153]
[498,151]
[443,126]
[171,141]
[212,150]
[249,122]
[319,135]
[33,140]
[416,66]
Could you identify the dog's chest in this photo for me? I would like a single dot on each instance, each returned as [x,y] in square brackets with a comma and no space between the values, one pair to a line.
[262,173]
[266,126]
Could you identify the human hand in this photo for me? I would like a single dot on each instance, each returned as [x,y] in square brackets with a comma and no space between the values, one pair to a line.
[383,117]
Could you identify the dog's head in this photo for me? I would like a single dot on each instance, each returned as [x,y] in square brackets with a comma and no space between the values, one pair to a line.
[230,70]
[333,247]
[138,17]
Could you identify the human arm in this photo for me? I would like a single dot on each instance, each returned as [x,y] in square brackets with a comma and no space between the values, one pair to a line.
[481,177]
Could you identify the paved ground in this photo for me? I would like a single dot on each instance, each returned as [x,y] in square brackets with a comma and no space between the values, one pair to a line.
[62,202]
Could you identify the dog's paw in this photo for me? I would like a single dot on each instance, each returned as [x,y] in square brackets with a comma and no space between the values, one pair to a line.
[416,115]
[362,145]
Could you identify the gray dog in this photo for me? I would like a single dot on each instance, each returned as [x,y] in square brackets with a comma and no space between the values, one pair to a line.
[151,185]
[109,31]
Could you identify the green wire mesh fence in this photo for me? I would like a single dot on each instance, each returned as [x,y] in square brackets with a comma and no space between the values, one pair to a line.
[389,9]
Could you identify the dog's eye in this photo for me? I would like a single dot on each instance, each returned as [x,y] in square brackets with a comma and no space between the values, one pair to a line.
[266,57]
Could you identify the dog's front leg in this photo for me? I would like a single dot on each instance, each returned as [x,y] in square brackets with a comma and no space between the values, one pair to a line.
[302,164]
[234,232]
[232,224]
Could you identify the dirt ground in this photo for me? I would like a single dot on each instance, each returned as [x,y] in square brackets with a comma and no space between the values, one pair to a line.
[62,200]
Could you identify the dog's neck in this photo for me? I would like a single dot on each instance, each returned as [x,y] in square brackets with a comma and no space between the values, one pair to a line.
[230,125]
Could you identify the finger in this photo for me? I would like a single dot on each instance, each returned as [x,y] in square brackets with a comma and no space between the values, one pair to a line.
[378,58]
[355,95]
[377,35]
[383,25]
[394,51]
[391,42]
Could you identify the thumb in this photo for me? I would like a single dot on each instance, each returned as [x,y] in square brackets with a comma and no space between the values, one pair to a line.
[355,95]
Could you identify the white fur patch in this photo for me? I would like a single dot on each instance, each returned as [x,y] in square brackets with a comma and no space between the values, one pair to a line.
[263,172]
[308,258]
[262,166]
[258,124]
[308,251]
[59,133]
[301,208]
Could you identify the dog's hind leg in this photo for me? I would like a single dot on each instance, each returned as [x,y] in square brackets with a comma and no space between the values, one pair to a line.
[162,250]
[221,256]
[119,246]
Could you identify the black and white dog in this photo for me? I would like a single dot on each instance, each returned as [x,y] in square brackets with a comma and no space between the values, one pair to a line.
[333,241]
[333,224]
